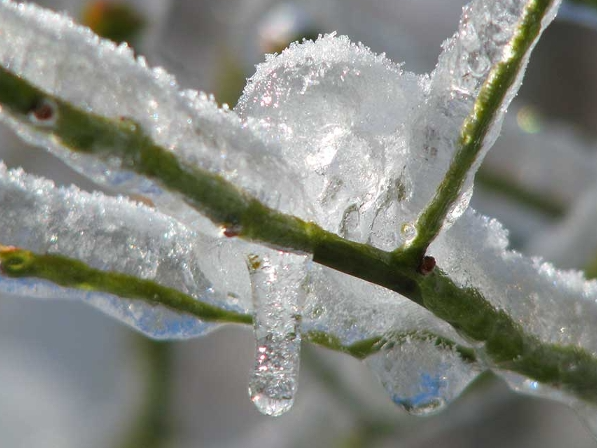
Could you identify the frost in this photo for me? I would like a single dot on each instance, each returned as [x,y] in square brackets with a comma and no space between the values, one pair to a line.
[532,291]
[114,234]
[372,143]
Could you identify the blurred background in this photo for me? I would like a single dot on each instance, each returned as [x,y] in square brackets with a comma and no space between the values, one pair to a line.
[72,377]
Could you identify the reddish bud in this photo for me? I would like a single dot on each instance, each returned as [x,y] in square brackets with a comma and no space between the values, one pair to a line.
[427,265]
[232,230]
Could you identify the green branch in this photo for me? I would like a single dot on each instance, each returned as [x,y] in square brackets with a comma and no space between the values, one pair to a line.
[71,273]
[219,200]
[476,126]
[113,20]
[152,427]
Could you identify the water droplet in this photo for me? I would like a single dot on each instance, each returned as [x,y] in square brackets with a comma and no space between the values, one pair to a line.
[423,404]
[273,382]
[479,64]
[408,231]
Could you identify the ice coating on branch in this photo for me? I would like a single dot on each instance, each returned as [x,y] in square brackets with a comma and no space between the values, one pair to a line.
[342,117]
[557,306]
[115,234]
[483,40]
[419,372]
[371,142]
[277,281]
[421,375]
[71,63]
[353,310]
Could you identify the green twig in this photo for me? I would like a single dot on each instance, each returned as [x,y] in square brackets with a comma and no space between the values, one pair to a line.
[475,127]
[222,202]
[506,344]
[71,273]
[114,20]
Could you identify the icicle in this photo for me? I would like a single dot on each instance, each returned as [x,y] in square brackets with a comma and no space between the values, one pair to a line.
[277,280]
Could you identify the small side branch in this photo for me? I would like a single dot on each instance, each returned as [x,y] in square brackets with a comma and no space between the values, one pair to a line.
[492,100]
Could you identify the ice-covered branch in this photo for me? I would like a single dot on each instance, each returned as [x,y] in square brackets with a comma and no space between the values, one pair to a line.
[488,55]
[338,185]
[225,204]
[506,343]
[74,274]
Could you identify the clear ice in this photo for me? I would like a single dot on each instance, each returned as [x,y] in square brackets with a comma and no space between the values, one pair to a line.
[421,376]
[115,234]
[64,59]
[277,281]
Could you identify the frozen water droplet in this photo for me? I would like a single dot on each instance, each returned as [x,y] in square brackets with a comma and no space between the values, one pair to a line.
[276,280]
[408,231]
[420,375]
[459,207]
[273,381]
[423,405]
[479,64]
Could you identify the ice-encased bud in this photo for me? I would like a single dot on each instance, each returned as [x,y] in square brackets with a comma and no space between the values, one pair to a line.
[277,282]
